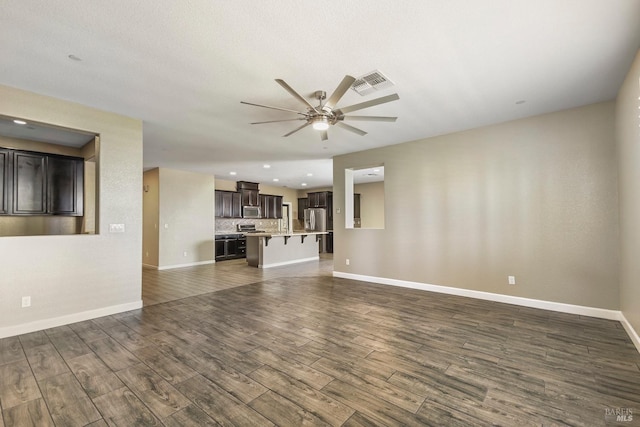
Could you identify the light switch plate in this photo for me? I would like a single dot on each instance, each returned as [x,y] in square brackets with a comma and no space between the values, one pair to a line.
[116,228]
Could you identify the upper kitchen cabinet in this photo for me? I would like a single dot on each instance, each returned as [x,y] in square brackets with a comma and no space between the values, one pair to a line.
[249,193]
[323,199]
[228,204]
[303,203]
[47,184]
[29,183]
[4,181]
[271,206]
[319,199]
[65,185]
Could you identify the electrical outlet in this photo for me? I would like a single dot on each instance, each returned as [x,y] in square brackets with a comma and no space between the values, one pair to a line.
[184,253]
[347,261]
[512,280]
[26,302]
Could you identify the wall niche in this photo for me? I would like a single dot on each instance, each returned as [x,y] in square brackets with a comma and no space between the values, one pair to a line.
[47,179]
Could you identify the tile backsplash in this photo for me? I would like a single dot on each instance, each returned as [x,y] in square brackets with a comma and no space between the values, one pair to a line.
[230,225]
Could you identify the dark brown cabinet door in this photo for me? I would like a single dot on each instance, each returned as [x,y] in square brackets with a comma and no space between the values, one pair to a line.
[250,198]
[271,206]
[319,199]
[303,203]
[356,205]
[65,189]
[265,205]
[236,208]
[228,204]
[29,183]
[277,207]
[4,181]
[218,203]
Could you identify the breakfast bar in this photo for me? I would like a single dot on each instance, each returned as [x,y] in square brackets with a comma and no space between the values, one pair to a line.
[266,250]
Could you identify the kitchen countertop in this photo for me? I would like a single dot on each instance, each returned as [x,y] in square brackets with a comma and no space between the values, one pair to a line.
[277,234]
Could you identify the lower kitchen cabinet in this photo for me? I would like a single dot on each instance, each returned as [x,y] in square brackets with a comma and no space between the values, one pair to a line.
[230,246]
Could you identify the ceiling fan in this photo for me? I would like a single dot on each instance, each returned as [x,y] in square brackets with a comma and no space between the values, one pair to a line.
[326,114]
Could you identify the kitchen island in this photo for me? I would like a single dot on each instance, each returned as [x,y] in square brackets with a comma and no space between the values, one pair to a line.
[266,250]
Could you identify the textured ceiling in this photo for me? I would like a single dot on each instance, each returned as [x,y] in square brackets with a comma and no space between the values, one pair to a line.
[183,68]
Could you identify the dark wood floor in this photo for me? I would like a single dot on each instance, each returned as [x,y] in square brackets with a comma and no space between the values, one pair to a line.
[295,346]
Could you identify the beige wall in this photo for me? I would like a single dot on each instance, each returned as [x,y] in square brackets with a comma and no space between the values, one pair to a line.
[535,198]
[150,217]
[628,143]
[186,218]
[80,276]
[371,204]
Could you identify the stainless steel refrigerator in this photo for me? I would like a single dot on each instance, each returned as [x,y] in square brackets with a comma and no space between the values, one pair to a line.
[315,219]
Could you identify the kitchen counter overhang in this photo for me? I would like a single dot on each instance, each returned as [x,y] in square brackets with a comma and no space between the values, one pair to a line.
[266,250]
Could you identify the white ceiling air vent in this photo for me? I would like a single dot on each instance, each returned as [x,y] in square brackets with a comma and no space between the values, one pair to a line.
[371,82]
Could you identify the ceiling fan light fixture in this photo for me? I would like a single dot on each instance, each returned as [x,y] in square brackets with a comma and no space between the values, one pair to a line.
[320,123]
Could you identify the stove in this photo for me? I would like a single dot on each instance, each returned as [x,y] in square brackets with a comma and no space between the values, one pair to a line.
[248,228]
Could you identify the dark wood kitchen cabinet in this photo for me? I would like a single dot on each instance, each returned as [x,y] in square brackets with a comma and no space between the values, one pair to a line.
[4,181]
[356,205]
[230,246]
[46,184]
[323,199]
[65,185]
[228,204]
[319,199]
[249,192]
[29,183]
[303,203]
[271,206]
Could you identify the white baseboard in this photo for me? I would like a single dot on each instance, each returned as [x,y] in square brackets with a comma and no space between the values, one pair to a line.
[508,299]
[279,264]
[632,332]
[190,264]
[38,325]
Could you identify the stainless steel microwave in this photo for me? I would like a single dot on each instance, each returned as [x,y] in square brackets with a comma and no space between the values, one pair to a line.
[251,212]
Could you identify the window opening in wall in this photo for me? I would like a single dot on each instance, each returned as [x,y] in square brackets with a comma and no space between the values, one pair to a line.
[364,197]
[48,183]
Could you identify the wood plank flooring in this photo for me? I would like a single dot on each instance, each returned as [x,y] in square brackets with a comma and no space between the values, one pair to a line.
[294,346]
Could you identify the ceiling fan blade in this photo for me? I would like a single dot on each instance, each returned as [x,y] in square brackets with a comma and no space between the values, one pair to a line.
[297,129]
[351,128]
[296,94]
[342,88]
[369,118]
[368,104]
[275,121]
[273,108]
[323,135]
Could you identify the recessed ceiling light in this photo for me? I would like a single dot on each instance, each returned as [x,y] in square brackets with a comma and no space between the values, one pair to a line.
[266,166]
[232,173]
[304,184]
[309,174]
[19,122]
[275,180]
[74,58]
